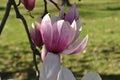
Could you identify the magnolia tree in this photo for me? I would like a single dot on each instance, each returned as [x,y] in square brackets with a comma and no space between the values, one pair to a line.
[54,35]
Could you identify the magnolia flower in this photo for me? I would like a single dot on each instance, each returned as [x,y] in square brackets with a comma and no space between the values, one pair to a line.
[29,4]
[58,36]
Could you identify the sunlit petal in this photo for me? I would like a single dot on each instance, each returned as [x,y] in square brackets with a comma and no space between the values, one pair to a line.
[50,67]
[79,29]
[76,46]
[65,35]
[46,31]
[91,76]
[43,53]
[57,26]
[65,74]
[36,35]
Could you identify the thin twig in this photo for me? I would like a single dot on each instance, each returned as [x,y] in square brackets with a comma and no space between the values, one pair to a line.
[5,16]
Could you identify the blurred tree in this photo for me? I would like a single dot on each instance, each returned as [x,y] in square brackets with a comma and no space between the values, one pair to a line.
[66,2]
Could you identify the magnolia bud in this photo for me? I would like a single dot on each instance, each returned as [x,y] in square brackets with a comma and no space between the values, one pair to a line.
[29,4]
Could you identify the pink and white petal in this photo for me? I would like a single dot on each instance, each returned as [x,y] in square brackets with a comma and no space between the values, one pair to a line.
[74,29]
[54,46]
[65,74]
[43,53]
[50,67]
[91,76]
[65,35]
[77,46]
[79,29]
[32,31]
[46,31]
[36,35]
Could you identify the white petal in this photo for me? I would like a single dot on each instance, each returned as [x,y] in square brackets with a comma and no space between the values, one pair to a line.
[74,31]
[65,74]
[78,30]
[50,67]
[43,53]
[91,76]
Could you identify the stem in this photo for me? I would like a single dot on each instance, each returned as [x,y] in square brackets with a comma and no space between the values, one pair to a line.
[55,4]
[45,8]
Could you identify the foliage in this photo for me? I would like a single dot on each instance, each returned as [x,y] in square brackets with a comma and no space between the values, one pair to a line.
[100,20]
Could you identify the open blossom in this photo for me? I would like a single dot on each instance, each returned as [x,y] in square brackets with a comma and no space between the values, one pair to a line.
[29,4]
[59,35]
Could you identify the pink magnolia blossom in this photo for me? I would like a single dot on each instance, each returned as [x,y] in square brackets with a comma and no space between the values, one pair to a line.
[60,36]
[29,4]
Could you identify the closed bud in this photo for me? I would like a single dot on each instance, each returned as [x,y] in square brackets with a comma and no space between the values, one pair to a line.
[29,4]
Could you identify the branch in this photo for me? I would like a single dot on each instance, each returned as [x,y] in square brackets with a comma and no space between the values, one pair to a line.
[18,15]
[33,47]
[5,16]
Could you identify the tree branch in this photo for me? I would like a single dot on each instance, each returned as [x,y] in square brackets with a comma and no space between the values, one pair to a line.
[19,16]
[5,16]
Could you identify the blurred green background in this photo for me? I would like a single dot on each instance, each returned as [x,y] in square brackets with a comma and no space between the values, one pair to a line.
[100,20]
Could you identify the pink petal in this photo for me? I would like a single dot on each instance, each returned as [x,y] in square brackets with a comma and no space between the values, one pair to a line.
[56,35]
[65,74]
[72,14]
[46,31]
[77,46]
[50,67]
[65,35]
[91,76]
[73,34]
[36,35]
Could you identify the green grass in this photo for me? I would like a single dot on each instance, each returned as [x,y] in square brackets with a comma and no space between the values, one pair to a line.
[100,20]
